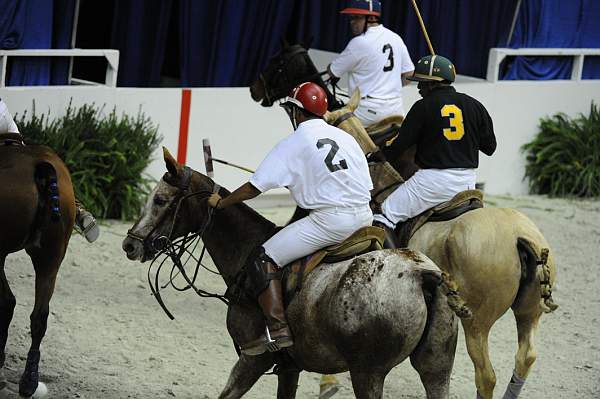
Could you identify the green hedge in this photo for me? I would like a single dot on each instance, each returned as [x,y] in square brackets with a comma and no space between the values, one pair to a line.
[564,158]
[105,154]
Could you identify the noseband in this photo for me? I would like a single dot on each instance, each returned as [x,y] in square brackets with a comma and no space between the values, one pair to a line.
[181,195]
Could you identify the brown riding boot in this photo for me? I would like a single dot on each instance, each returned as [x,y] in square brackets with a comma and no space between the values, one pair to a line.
[277,333]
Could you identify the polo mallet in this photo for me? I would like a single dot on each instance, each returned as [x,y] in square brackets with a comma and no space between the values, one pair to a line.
[208,161]
[423,27]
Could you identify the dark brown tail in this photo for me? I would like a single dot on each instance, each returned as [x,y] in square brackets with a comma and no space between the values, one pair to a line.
[47,183]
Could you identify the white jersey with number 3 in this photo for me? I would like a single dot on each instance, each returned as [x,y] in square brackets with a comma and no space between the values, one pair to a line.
[321,165]
[375,62]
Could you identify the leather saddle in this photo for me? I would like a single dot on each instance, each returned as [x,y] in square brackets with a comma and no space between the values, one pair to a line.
[385,131]
[366,239]
[461,203]
[7,139]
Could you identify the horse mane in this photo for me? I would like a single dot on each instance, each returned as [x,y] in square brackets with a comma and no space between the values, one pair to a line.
[243,208]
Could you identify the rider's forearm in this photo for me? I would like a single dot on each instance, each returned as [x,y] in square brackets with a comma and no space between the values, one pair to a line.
[243,193]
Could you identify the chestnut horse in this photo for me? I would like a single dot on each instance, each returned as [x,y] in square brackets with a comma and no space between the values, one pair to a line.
[37,213]
[365,315]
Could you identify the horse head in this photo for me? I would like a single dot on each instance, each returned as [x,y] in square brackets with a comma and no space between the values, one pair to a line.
[285,70]
[171,211]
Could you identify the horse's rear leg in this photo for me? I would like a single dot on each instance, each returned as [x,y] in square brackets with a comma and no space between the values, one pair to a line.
[526,354]
[46,267]
[246,371]
[287,384]
[367,385]
[433,357]
[476,338]
[7,307]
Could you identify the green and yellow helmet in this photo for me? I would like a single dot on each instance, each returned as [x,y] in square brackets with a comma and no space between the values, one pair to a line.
[434,68]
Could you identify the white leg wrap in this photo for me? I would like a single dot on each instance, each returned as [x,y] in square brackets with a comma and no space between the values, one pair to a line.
[514,387]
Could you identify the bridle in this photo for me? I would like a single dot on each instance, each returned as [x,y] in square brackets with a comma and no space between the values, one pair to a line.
[175,249]
[282,69]
[176,201]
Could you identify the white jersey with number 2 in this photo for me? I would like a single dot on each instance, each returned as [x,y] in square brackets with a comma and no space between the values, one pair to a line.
[321,165]
[374,62]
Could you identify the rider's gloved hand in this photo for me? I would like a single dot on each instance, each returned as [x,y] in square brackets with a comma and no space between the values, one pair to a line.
[213,201]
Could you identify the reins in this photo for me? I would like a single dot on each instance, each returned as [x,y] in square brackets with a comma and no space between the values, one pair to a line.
[176,249]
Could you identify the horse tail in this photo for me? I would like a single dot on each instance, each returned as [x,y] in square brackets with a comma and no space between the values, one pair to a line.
[47,183]
[535,267]
[455,300]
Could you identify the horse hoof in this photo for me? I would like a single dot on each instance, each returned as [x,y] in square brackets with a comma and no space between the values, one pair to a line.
[28,386]
[40,392]
[329,386]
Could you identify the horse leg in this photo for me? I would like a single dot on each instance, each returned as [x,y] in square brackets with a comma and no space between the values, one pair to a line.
[433,357]
[7,307]
[477,346]
[367,385]
[246,371]
[46,267]
[526,354]
[287,384]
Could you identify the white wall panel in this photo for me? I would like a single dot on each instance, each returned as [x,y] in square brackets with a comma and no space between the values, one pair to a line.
[241,131]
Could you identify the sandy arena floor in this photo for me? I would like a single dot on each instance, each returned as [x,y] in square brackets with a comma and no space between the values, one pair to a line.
[108,338]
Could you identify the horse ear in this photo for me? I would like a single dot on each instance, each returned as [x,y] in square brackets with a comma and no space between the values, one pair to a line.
[284,42]
[170,162]
[353,103]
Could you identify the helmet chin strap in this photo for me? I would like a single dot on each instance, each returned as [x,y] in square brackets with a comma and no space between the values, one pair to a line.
[293,118]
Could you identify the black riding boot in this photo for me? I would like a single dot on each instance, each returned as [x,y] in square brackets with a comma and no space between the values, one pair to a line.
[85,223]
[277,333]
[390,236]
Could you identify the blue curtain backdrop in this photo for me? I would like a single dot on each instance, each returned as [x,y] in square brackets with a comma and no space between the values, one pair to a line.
[140,34]
[560,24]
[228,42]
[36,24]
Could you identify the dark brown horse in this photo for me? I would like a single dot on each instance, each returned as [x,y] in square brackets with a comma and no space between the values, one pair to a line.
[37,212]
[365,315]
[286,69]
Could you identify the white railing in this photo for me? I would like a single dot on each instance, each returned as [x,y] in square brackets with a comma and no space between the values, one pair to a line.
[112,58]
[497,55]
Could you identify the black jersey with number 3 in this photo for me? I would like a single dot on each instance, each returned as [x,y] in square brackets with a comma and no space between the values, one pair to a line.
[449,129]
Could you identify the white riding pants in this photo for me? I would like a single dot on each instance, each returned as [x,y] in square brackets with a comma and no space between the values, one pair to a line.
[372,110]
[321,228]
[424,190]
[7,124]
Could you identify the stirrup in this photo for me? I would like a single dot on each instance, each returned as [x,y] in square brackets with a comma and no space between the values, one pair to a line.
[274,345]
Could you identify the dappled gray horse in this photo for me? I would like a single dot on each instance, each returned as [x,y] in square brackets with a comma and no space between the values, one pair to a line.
[365,315]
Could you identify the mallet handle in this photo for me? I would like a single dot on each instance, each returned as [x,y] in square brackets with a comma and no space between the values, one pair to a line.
[423,27]
[232,165]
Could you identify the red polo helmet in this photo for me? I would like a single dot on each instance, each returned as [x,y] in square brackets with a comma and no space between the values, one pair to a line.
[310,97]
[363,7]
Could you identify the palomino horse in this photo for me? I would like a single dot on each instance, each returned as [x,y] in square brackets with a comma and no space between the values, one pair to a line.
[364,315]
[37,213]
[493,254]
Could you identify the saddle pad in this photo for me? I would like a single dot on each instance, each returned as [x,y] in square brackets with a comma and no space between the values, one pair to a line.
[363,240]
[459,204]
